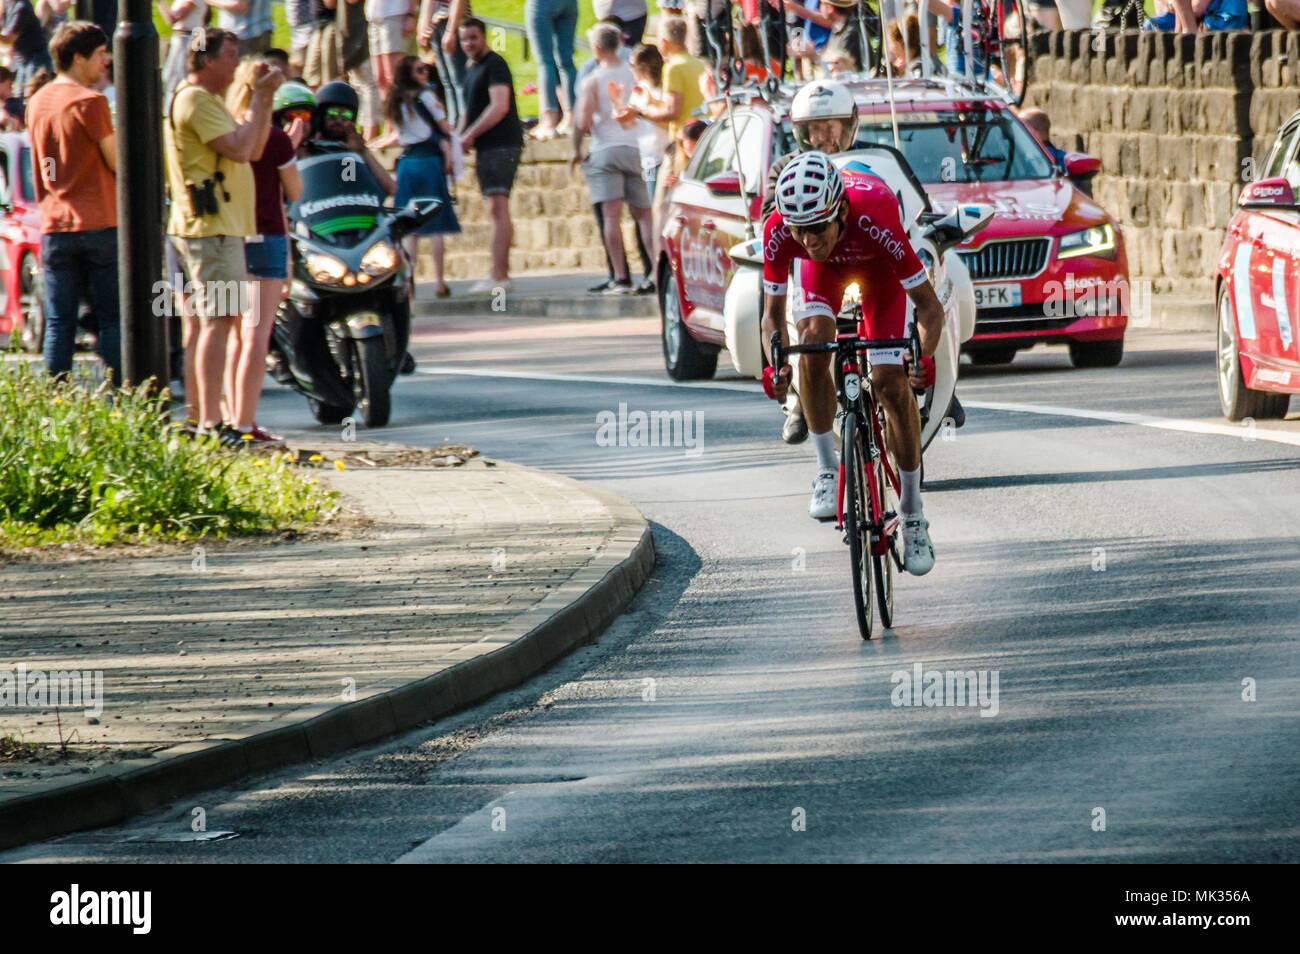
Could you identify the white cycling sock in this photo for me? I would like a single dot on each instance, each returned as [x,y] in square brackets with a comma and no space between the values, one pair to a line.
[909,493]
[825,445]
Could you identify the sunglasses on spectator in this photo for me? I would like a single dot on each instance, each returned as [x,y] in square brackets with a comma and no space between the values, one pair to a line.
[339,112]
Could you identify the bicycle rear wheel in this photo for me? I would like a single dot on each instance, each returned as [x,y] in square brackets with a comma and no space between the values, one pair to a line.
[857,510]
[1013,47]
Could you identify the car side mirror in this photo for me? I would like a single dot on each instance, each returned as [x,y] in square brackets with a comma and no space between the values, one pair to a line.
[723,183]
[1081,166]
[1268,194]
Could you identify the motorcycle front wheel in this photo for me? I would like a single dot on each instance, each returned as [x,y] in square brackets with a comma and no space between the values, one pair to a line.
[372,381]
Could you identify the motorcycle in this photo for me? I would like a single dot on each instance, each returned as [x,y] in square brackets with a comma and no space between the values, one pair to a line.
[340,338]
[933,235]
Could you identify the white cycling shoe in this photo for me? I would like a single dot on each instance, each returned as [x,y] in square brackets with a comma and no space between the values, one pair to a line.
[822,505]
[918,551]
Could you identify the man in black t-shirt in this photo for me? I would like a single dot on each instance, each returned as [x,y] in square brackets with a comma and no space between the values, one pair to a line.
[493,129]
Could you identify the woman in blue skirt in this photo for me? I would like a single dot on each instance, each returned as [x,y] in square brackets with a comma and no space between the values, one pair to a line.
[415,111]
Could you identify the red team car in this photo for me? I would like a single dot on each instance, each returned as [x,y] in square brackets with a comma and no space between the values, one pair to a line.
[1050,267]
[21,294]
[1258,289]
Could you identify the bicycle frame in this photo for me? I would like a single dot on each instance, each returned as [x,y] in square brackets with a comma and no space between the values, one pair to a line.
[851,361]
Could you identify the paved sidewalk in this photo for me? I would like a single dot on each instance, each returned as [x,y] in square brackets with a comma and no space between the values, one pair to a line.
[243,657]
[542,294]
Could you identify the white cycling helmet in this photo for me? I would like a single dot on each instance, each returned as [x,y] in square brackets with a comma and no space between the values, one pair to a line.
[809,190]
[824,99]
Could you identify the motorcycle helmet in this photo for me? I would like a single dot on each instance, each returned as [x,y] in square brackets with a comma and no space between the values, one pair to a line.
[809,190]
[292,97]
[824,99]
[337,94]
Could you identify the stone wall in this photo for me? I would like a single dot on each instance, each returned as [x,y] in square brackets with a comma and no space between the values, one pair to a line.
[554,225]
[1175,119]
[1179,122]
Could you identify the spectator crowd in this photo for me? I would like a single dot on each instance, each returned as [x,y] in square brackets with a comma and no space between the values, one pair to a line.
[238,114]
[419,75]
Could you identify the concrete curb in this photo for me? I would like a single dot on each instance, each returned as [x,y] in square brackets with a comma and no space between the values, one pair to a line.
[577,612]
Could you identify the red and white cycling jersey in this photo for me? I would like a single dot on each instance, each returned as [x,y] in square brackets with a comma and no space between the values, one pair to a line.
[873,251]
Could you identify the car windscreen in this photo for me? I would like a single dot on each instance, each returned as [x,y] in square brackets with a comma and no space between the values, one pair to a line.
[962,146]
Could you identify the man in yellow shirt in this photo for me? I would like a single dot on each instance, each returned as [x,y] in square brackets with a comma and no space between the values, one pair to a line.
[681,79]
[207,156]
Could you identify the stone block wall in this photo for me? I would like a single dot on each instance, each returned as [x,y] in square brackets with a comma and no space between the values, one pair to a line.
[551,212]
[1179,122]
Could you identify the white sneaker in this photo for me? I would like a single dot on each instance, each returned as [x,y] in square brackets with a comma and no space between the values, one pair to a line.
[490,286]
[822,505]
[918,551]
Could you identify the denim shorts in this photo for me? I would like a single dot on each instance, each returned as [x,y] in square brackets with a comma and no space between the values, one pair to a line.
[267,256]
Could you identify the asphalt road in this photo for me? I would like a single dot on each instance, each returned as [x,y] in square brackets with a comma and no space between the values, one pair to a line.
[1122,580]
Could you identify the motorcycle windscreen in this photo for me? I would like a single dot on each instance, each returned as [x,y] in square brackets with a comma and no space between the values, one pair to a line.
[338,195]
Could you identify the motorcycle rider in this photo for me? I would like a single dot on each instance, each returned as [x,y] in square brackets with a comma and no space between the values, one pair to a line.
[334,126]
[836,229]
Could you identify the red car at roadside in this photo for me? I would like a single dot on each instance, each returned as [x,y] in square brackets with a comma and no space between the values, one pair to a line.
[1257,288]
[21,291]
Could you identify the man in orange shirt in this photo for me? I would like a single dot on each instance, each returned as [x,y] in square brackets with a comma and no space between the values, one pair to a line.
[74,151]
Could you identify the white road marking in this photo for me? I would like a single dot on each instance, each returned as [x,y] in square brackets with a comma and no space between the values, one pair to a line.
[593,379]
[1239,431]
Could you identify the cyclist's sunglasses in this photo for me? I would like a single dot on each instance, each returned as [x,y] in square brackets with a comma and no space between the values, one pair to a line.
[339,112]
[291,114]
[817,229]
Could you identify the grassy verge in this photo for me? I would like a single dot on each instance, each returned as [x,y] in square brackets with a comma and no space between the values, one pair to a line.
[77,467]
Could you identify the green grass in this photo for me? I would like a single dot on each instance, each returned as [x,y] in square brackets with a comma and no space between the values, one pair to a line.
[77,467]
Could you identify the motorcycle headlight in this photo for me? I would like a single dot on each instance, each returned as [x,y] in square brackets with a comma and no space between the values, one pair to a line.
[1098,240]
[379,258]
[325,269]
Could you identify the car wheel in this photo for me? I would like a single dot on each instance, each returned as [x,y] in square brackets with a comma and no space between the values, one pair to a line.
[1235,399]
[684,357]
[989,356]
[1096,354]
[31,299]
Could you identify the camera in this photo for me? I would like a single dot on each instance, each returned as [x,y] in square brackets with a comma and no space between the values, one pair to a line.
[203,198]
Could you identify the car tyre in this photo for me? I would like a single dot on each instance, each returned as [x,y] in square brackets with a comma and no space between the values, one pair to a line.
[1096,354]
[31,298]
[984,357]
[684,357]
[1235,399]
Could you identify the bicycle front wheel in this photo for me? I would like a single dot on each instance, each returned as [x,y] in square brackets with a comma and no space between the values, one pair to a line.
[1013,47]
[857,518]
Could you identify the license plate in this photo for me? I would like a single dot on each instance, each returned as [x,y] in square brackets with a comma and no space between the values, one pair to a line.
[997,296]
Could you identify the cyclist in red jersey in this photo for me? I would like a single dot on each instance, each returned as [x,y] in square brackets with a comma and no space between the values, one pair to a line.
[833,229]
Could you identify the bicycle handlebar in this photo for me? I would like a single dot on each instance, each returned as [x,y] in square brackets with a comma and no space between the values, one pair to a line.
[779,352]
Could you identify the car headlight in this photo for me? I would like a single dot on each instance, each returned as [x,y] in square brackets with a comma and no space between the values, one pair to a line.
[325,269]
[1098,240]
[379,258]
